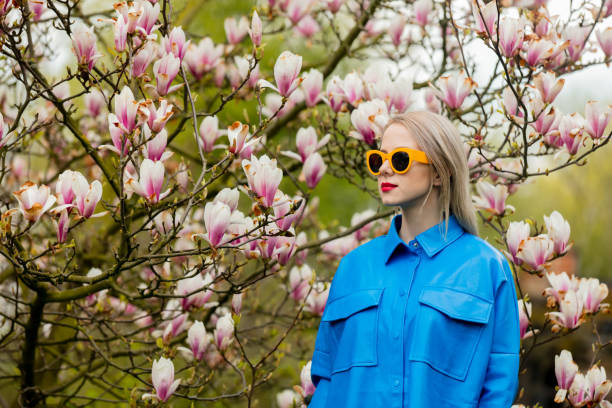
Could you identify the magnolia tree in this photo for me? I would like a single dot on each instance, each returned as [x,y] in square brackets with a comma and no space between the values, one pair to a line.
[148,254]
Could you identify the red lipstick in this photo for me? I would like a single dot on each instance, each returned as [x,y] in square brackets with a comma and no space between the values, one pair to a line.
[387,186]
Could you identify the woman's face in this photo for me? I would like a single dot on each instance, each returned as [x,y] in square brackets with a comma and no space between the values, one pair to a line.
[412,186]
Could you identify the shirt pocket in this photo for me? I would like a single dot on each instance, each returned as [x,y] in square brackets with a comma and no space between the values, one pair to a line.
[353,321]
[448,327]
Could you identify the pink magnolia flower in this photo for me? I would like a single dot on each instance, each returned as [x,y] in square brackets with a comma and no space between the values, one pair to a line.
[229,196]
[396,29]
[492,198]
[236,30]
[150,182]
[316,300]
[485,17]
[288,399]
[62,226]
[286,72]
[5,136]
[579,391]
[216,220]
[308,387]
[155,149]
[156,118]
[120,30]
[604,37]
[565,371]
[558,229]
[143,58]
[150,13]
[165,70]
[162,376]
[209,132]
[597,118]
[524,318]
[314,169]
[369,119]
[422,11]
[175,43]
[511,105]
[224,331]
[126,109]
[511,31]
[592,293]
[598,385]
[516,234]
[87,197]
[570,311]
[334,94]
[307,27]
[94,102]
[306,143]
[239,137]
[312,86]
[400,95]
[433,104]
[560,284]
[237,302]
[256,29]
[202,58]
[535,251]
[263,177]
[570,131]
[34,200]
[454,89]
[129,13]
[193,290]
[298,9]
[84,45]
[577,37]
[352,88]
[197,340]
[548,85]
[299,282]
[37,7]
[538,50]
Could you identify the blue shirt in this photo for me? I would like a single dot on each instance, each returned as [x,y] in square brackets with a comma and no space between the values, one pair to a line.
[431,323]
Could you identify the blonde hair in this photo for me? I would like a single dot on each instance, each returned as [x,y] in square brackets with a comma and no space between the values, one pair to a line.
[442,143]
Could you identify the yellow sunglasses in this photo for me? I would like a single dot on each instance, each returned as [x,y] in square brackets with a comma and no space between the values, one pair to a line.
[400,159]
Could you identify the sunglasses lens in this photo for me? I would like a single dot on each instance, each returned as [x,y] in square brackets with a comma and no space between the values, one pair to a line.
[375,161]
[400,161]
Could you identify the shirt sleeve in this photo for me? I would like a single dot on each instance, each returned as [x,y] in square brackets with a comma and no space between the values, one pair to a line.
[501,381]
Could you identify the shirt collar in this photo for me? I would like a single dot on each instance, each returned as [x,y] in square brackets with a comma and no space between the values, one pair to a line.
[431,240]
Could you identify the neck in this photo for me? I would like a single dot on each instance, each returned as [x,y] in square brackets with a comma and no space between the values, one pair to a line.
[416,219]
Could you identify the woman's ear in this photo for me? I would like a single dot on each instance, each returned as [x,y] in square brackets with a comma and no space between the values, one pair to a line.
[437,181]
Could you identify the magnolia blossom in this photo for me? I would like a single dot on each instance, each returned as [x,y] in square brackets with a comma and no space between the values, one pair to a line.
[237,302]
[510,35]
[577,36]
[156,119]
[216,220]
[126,109]
[538,50]
[209,132]
[396,29]
[560,284]
[535,251]
[150,182]
[62,225]
[307,27]
[312,86]
[84,45]
[143,58]
[558,230]
[288,399]
[517,232]
[306,143]
[155,149]
[256,29]
[485,16]
[313,170]
[570,311]
[352,87]
[579,391]
[306,380]
[454,89]
[599,386]
[316,300]
[548,85]
[492,198]
[239,137]
[236,30]
[203,58]
[299,282]
[192,290]
[5,136]
[369,119]
[162,376]
[87,197]
[34,200]
[263,177]
[422,11]
[524,318]
[175,43]
[604,37]
[592,293]
[570,131]
[597,118]
[286,72]
[165,71]
[224,331]
[565,371]
[197,340]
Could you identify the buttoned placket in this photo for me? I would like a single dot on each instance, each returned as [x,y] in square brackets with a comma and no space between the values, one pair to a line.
[412,256]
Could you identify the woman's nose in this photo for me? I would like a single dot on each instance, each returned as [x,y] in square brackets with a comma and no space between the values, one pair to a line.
[385,168]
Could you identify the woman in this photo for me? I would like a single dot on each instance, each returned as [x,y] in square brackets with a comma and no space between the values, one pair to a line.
[426,315]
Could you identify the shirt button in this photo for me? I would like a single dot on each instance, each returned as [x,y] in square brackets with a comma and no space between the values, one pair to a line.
[415,244]
[396,383]
[402,292]
[396,336]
